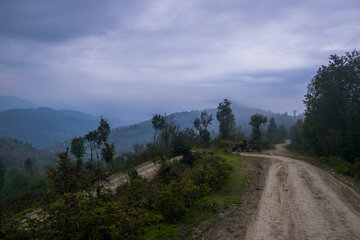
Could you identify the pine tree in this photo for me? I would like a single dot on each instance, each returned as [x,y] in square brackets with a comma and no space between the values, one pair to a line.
[226,120]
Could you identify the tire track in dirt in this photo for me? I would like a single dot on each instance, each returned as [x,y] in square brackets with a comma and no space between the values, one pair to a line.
[301,201]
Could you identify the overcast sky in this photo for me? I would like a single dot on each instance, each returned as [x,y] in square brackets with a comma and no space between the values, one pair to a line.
[130,59]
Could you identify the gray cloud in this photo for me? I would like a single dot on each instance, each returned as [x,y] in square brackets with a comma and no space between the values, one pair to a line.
[132,58]
[41,20]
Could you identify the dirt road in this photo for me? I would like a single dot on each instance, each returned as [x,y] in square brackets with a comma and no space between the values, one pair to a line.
[146,170]
[298,201]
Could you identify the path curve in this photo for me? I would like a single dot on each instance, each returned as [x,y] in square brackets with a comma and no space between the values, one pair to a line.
[301,201]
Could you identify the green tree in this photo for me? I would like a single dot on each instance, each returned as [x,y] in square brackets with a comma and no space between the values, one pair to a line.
[103,130]
[64,177]
[226,120]
[78,149]
[98,177]
[166,127]
[180,146]
[108,153]
[332,115]
[158,122]
[272,132]
[169,131]
[201,124]
[190,135]
[296,134]
[256,121]
[92,139]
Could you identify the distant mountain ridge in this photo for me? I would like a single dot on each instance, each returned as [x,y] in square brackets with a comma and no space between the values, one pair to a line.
[10,102]
[53,129]
[43,126]
[125,137]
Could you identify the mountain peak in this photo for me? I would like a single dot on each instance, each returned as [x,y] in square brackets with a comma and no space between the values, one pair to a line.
[11,102]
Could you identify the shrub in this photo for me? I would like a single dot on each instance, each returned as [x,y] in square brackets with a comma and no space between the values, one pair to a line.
[137,204]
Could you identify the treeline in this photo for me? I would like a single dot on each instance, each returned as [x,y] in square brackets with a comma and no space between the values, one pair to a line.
[263,132]
[331,127]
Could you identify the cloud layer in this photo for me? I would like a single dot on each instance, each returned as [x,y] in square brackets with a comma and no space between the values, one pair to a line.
[132,58]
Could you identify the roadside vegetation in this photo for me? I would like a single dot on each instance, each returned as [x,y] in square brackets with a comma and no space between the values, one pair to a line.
[331,131]
[209,206]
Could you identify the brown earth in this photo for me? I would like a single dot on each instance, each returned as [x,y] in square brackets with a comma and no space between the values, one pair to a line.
[146,170]
[297,201]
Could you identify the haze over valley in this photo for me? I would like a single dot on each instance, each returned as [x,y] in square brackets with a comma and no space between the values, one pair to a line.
[168,119]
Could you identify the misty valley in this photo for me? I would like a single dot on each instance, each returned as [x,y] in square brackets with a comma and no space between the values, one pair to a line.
[172,120]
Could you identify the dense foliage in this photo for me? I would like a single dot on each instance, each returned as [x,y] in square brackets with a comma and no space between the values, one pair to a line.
[226,120]
[256,121]
[201,125]
[296,134]
[331,126]
[137,204]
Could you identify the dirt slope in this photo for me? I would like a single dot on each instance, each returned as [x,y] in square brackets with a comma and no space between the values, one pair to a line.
[146,170]
[299,201]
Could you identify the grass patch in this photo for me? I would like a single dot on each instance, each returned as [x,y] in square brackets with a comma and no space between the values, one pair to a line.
[208,206]
[25,211]
[160,231]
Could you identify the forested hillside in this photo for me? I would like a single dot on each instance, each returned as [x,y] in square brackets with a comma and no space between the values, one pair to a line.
[125,137]
[42,126]
[14,153]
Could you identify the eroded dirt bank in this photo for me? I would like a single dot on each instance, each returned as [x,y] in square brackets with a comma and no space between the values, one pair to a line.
[299,201]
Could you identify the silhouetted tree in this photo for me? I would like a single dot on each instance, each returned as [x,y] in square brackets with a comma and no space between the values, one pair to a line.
[78,149]
[226,120]
[201,125]
[92,139]
[108,153]
[166,127]
[158,122]
[256,121]
[332,115]
[169,131]
[103,130]
[64,177]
